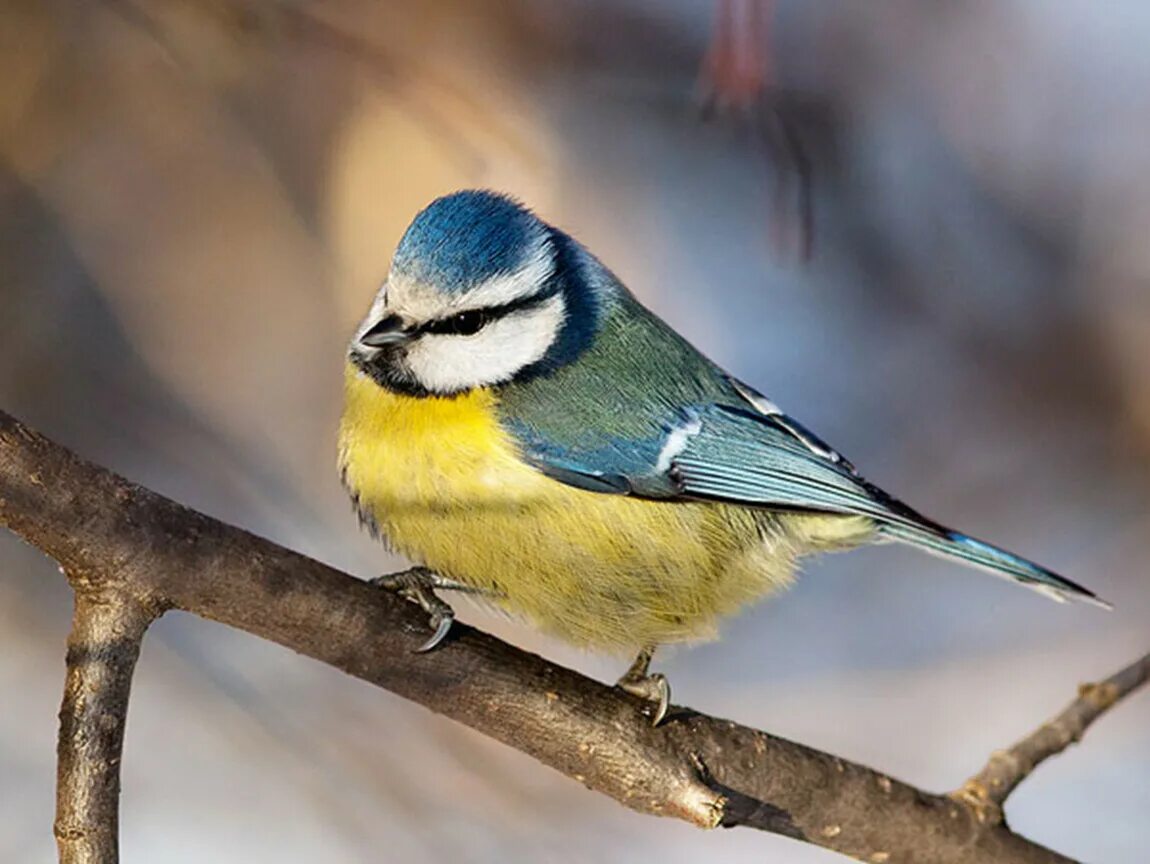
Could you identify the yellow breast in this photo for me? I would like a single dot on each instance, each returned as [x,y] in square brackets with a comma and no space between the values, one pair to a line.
[447,488]
[401,452]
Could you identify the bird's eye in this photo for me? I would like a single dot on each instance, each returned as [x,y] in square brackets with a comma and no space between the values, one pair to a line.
[465,323]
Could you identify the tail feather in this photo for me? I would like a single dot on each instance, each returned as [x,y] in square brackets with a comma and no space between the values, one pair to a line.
[999,562]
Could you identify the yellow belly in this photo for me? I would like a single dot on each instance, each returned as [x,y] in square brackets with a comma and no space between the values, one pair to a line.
[445,486]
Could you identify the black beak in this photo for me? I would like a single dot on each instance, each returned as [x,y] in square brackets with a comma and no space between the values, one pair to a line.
[388,330]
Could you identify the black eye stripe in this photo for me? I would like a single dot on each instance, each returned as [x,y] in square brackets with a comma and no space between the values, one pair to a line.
[471,321]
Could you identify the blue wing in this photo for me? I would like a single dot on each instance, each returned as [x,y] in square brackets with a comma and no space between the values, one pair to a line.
[744,450]
[720,452]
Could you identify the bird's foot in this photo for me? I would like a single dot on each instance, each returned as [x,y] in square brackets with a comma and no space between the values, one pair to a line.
[418,585]
[653,688]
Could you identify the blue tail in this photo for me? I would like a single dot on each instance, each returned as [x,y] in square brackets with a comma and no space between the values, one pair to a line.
[999,562]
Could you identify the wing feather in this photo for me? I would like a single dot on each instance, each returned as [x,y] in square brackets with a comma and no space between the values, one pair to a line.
[762,458]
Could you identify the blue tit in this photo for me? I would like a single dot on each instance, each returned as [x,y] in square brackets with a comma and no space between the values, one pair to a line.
[519,425]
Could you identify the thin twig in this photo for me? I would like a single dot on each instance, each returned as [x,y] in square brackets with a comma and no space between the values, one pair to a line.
[988,790]
[107,628]
[701,769]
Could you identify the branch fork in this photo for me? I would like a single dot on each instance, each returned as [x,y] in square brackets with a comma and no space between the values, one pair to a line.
[131,553]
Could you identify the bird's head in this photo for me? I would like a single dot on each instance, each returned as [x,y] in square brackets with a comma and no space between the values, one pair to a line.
[481,292]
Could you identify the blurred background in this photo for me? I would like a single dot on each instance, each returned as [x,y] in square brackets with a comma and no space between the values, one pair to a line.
[920,226]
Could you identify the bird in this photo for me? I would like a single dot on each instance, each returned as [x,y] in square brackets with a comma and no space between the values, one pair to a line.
[520,427]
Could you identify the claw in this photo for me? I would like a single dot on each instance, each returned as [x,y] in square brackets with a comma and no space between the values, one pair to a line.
[442,627]
[663,701]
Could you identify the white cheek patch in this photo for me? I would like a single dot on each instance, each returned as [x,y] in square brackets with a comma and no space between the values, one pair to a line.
[444,363]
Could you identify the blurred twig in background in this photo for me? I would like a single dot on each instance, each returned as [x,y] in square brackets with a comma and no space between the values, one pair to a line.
[736,79]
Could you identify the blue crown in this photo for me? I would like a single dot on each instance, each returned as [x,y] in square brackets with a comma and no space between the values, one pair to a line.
[465,238]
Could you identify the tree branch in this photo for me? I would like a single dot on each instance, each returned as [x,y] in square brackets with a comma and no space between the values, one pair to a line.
[707,771]
[103,645]
[988,790]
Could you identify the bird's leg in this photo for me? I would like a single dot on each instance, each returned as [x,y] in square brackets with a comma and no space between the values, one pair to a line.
[638,681]
[418,585]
